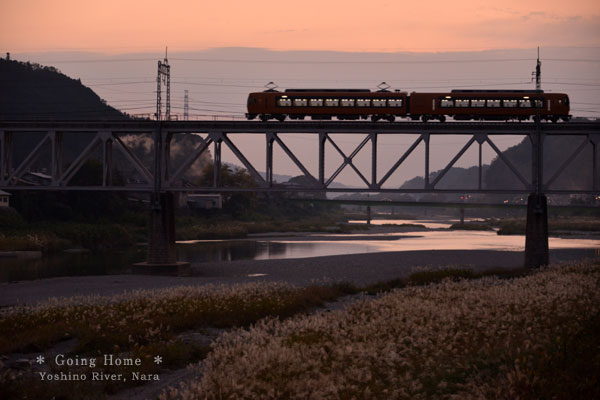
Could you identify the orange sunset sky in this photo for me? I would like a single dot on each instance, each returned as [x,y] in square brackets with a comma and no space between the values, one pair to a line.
[117,26]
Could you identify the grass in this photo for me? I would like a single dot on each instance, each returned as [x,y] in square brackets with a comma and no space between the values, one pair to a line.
[406,225]
[16,235]
[189,228]
[428,276]
[516,226]
[144,324]
[471,227]
[147,323]
[45,242]
[211,232]
[531,337]
[57,236]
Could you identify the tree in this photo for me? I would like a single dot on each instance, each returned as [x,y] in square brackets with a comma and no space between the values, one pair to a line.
[237,204]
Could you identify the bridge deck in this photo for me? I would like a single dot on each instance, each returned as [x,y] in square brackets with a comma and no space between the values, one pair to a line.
[350,127]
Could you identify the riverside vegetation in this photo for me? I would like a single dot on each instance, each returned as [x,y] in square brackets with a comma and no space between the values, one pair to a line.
[532,337]
[449,333]
[516,226]
[127,227]
[140,324]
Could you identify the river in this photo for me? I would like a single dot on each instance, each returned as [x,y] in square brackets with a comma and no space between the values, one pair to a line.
[277,247]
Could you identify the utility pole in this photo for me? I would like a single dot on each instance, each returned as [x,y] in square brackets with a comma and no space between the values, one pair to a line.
[538,72]
[536,231]
[186,106]
[163,76]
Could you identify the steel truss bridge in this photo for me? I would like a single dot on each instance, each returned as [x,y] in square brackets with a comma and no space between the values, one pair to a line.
[162,178]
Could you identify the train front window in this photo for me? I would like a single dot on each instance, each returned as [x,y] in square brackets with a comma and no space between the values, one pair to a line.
[395,102]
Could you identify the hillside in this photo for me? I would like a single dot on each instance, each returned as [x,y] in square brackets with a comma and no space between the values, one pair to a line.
[578,175]
[497,175]
[29,91]
[33,92]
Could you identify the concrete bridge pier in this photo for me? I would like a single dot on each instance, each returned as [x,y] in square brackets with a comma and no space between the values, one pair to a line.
[162,255]
[536,232]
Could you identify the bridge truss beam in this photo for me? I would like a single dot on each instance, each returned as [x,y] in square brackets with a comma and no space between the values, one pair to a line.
[161,182]
[107,136]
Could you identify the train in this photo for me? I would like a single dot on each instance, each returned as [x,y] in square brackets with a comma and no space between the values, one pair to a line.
[362,104]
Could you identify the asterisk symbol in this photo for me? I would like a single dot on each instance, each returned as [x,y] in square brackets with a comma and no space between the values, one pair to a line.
[40,359]
[157,360]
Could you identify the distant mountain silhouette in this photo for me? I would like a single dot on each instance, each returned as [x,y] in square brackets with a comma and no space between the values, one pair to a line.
[576,176]
[456,177]
[29,91]
[497,175]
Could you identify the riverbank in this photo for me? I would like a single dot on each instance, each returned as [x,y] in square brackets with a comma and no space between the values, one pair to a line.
[531,337]
[357,269]
[201,320]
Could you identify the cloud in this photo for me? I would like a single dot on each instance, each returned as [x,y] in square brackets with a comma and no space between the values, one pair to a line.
[535,28]
[279,31]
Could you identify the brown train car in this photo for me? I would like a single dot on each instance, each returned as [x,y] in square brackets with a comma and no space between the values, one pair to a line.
[322,104]
[489,105]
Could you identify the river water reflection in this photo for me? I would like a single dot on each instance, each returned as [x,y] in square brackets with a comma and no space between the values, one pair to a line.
[315,245]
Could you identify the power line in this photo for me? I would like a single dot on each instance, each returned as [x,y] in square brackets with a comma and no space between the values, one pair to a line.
[450,61]
[277,61]
[118,83]
[216,84]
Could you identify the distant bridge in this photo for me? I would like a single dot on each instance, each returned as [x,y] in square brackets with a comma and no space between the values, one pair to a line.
[162,178]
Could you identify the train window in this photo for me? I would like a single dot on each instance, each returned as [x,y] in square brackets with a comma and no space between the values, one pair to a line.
[347,102]
[493,103]
[395,102]
[332,102]
[363,102]
[462,103]
[539,103]
[524,103]
[447,103]
[509,103]
[316,102]
[300,102]
[284,102]
[378,102]
[477,103]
